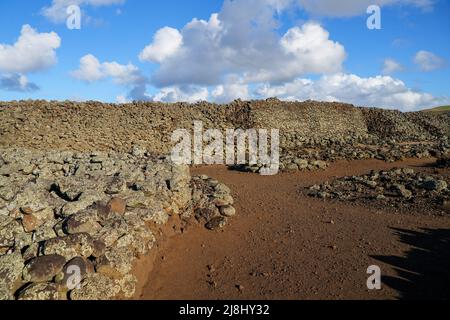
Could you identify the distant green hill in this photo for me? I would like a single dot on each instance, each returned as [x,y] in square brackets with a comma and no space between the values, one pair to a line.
[439,109]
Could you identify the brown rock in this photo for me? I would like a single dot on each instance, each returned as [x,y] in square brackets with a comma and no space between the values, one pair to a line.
[114,206]
[74,272]
[117,205]
[30,223]
[44,268]
[26,210]
[99,248]
[207,214]
[216,223]
[83,222]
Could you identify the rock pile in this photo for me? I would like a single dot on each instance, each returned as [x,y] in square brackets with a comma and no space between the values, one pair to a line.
[402,189]
[213,202]
[72,224]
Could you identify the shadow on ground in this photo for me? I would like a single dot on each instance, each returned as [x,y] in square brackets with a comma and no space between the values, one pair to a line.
[424,274]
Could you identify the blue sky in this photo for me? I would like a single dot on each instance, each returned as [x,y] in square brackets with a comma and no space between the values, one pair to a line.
[249,49]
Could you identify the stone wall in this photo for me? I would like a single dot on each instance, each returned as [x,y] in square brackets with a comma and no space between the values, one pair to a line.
[94,212]
[94,126]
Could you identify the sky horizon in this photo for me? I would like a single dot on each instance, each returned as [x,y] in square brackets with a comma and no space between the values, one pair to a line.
[222,50]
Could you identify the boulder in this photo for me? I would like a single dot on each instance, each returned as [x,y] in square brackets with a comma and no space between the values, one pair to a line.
[82,222]
[228,211]
[74,272]
[216,223]
[44,268]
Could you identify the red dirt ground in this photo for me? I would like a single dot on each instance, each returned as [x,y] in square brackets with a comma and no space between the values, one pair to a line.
[285,245]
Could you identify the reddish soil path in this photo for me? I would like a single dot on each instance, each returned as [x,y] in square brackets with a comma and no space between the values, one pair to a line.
[284,245]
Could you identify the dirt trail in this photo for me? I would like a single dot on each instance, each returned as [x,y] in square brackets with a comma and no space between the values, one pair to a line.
[284,245]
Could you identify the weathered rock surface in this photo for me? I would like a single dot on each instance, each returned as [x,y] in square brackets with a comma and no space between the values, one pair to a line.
[310,131]
[44,268]
[73,224]
[43,291]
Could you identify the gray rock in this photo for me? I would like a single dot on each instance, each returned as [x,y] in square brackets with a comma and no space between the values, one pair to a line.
[403,192]
[115,263]
[42,292]
[5,293]
[116,185]
[301,163]
[138,151]
[81,244]
[228,211]
[112,230]
[46,231]
[96,286]
[11,266]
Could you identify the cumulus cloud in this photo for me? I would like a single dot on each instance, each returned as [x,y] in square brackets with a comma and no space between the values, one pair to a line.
[166,43]
[241,39]
[379,91]
[234,88]
[391,66]
[428,61]
[17,82]
[241,53]
[92,70]
[57,11]
[32,52]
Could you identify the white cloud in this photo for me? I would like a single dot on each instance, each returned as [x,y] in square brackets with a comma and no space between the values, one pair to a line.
[32,52]
[391,66]
[57,11]
[242,40]
[231,90]
[16,82]
[348,8]
[428,61]
[166,42]
[91,70]
[379,91]
[189,94]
